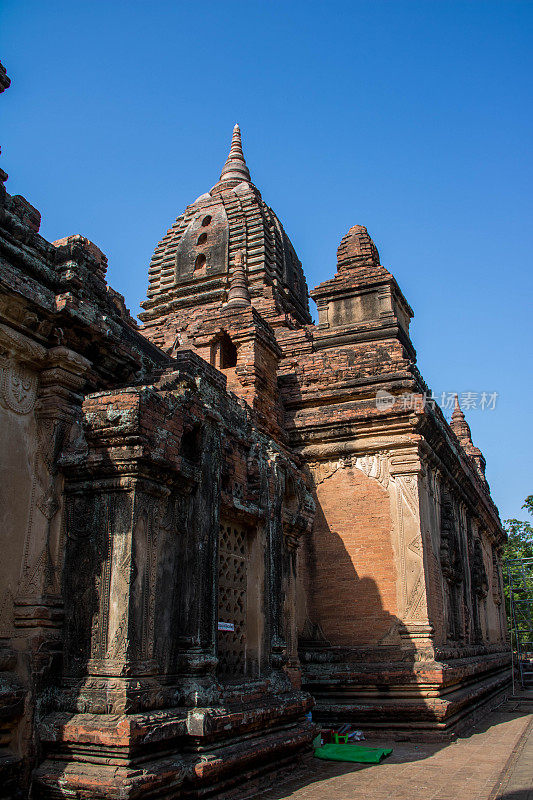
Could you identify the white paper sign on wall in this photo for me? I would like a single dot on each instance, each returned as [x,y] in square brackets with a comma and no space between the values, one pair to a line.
[226,626]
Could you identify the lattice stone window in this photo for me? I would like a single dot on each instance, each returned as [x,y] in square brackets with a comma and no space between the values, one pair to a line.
[232,599]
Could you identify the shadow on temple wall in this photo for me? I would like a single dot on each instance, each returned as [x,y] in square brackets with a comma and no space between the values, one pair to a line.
[354,635]
[352,617]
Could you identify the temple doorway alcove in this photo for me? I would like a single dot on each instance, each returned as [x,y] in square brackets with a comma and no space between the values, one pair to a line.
[240,602]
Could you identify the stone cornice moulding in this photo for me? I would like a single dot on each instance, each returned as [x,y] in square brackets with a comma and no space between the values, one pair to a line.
[67,360]
[362,442]
[21,347]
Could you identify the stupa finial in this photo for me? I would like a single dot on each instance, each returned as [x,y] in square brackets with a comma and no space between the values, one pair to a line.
[459,425]
[235,168]
[238,294]
[461,428]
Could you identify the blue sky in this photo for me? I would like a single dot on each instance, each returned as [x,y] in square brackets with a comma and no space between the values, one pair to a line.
[412,118]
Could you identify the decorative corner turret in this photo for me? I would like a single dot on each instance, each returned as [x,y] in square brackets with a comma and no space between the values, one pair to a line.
[87,249]
[461,428]
[356,250]
[363,301]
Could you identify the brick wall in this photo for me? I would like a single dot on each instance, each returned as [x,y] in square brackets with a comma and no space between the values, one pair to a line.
[350,562]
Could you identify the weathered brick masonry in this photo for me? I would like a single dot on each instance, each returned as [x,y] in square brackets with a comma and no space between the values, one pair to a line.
[219,519]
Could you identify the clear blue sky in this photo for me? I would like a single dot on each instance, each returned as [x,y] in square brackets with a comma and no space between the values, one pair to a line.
[412,118]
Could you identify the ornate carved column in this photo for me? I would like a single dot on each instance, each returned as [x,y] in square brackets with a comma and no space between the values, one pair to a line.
[297,514]
[20,361]
[416,629]
[196,575]
[140,572]
[38,604]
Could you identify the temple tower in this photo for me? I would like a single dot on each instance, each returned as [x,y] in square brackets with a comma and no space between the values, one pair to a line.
[227,228]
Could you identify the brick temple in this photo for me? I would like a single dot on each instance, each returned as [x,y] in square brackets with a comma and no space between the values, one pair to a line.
[227,517]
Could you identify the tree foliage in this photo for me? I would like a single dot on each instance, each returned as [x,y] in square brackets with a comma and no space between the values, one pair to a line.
[520,546]
[520,535]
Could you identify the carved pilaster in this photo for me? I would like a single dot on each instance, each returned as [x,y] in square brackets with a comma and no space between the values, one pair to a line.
[298,511]
[58,429]
[141,558]
[413,612]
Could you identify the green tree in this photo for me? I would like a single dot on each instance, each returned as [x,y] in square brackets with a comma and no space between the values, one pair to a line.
[520,535]
[520,546]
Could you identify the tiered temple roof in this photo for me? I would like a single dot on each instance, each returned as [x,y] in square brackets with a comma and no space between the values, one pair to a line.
[228,228]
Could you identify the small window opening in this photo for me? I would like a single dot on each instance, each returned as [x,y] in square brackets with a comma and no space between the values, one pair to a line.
[202,238]
[200,262]
[206,220]
[223,352]
[191,442]
[228,353]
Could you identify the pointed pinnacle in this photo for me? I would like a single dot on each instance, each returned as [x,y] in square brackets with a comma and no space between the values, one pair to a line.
[235,168]
[459,425]
[458,417]
[461,428]
[235,150]
[238,295]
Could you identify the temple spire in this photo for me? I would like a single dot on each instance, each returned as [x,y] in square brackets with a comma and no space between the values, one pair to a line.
[459,425]
[461,428]
[238,295]
[235,168]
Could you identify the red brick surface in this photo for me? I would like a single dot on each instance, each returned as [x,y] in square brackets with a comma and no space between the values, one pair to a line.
[352,561]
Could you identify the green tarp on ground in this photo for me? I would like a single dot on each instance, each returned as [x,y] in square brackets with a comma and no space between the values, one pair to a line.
[352,752]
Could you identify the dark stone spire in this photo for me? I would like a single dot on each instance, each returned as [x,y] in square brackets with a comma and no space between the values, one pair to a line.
[235,169]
